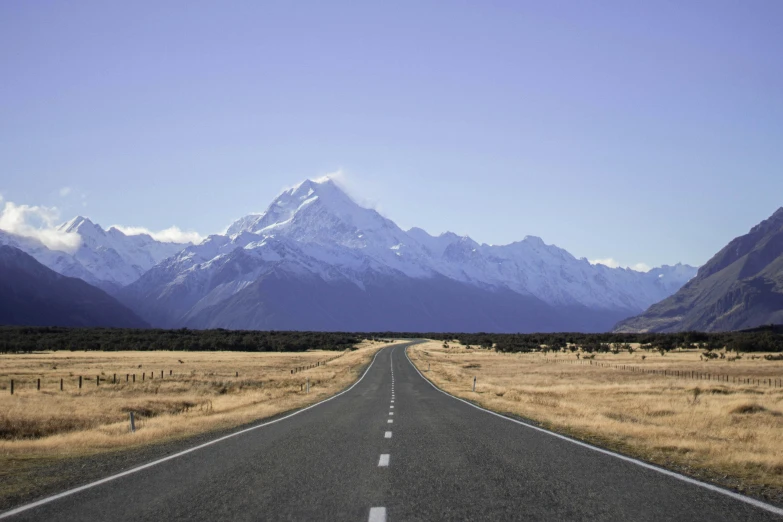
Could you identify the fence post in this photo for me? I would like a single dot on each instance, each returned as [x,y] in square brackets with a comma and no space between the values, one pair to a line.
[132,423]
[39,384]
[474,383]
[97,380]
[308,385]
[143,375]
[80,382]
[12,386]
[114,379]
[134,377]
[161,374]
[170,373]
[61,385]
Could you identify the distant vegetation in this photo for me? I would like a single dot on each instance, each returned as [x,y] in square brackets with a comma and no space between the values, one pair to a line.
[27,339]
[762,339]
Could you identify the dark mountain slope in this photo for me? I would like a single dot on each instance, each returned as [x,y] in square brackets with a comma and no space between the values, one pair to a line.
[32,294]
[284,301]
[740,287]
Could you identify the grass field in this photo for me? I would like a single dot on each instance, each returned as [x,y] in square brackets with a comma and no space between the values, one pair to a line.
[205,391]
[721,431]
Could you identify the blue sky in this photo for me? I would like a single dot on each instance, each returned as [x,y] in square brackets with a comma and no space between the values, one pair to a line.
[645,133]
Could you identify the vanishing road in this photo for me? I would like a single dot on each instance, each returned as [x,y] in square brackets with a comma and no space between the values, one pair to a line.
[395,448]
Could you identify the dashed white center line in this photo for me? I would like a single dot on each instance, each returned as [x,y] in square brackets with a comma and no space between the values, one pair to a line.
[387,435]
[384,460]
[377,514]
[392,407]
[390,421]
[391,413]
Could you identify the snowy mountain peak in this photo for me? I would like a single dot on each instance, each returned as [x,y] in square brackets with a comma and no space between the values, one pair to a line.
[319,211]
[284,206]
[79,224]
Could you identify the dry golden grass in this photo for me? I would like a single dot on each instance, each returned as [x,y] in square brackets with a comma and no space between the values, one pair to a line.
[731,433]
[203,394]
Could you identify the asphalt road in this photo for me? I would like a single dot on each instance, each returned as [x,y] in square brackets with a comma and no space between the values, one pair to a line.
[395,447]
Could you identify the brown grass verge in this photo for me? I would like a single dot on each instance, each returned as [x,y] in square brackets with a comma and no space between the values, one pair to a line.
[728,433]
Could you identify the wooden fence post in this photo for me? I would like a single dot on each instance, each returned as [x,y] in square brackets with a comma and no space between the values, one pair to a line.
[80,382]
[61,385]
[39,384]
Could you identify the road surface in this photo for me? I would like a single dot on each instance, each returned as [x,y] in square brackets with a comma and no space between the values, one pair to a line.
[395,448]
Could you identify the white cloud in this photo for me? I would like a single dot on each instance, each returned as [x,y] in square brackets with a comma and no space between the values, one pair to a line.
[338,176]
[641,267]
[168,235]
[38,223]
[65,191]
[612,263]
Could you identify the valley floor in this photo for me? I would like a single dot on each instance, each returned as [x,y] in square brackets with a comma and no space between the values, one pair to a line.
[44,433]
[724,432]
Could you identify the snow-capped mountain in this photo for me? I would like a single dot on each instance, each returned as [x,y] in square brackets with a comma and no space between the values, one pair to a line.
[108,259]
[317,260]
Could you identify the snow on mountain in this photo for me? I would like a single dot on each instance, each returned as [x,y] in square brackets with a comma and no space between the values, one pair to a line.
[315,230]
[108,259]
[114,257]
[61,262]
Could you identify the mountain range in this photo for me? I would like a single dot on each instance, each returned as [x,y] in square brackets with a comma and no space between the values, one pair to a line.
[739,287]
[34,295]
[316,260]
[108,259]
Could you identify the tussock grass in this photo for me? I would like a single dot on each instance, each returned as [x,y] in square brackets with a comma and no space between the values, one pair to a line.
[203,394]
[729,433]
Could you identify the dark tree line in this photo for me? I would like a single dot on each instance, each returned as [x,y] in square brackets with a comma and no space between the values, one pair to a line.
[28,339]
[762,339]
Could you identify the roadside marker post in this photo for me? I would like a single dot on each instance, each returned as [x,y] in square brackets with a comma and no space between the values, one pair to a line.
[308,385]
[474,383]
[132,423]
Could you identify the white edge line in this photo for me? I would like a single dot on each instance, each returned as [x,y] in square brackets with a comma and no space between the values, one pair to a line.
[689,480]
[69,492]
